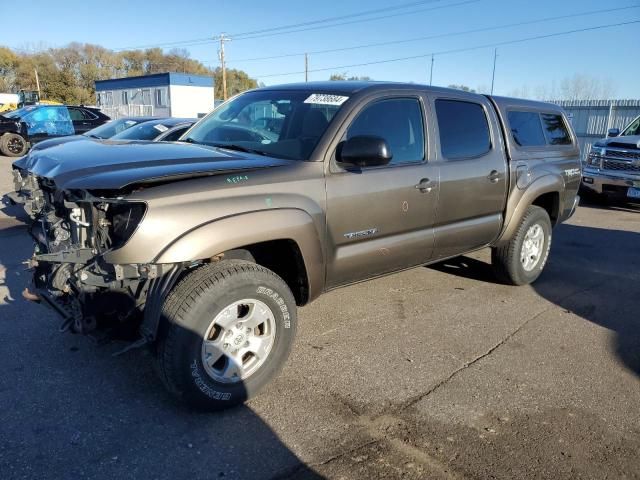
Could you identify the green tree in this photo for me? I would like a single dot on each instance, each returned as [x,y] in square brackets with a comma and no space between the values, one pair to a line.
[8,64]
[68,74]
[237,82]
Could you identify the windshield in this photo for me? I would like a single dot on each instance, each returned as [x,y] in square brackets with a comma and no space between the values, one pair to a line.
[19,112]
[633,129]
[284,124]
[110,129]
[143,131]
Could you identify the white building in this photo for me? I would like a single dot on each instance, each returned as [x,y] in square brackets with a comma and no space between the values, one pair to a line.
[159,94]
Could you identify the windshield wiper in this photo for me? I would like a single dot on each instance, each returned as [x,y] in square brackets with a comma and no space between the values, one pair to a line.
[239,148]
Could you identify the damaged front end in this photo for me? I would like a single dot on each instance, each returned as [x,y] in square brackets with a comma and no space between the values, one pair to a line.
[73,230]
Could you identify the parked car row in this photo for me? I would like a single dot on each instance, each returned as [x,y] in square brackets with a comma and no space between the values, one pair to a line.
[43,126]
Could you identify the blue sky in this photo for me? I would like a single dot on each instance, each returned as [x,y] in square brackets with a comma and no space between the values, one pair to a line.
[609,54]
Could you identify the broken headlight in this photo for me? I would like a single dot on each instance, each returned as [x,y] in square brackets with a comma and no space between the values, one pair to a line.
[122,221]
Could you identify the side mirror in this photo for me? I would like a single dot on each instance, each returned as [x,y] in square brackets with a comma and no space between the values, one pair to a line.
[364,151]
[613,132]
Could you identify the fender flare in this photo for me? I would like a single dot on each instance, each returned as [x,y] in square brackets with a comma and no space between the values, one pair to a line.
[518,204]
[210,239]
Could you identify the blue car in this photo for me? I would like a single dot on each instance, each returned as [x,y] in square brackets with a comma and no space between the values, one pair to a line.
[26,126]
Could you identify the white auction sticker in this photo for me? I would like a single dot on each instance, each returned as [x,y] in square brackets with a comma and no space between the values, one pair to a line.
[160,127]
[326,99]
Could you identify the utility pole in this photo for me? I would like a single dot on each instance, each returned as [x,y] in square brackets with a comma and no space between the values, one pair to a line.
[223,64]
[306,67]
[493,76]
[37,81]
[431,73]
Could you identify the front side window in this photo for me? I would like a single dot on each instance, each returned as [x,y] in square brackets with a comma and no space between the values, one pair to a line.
[464,130]
[555,130]
[399,122]
[526,128]
[285,124]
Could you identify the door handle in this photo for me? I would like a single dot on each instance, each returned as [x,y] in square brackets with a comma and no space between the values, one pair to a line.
[494,176]
[425,185]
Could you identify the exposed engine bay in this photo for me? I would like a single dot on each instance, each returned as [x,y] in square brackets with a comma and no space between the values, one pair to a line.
[73,230]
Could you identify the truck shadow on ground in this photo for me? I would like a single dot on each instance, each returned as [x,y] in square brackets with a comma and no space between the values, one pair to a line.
[69,409]
[593,273]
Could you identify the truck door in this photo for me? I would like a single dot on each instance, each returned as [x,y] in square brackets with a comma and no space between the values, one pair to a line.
[380,219]
[473,174]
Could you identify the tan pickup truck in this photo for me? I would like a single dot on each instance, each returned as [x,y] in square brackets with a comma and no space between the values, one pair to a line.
[208,245]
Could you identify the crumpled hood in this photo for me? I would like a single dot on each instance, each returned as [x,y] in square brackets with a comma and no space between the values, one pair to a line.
[111,165]
[633,141]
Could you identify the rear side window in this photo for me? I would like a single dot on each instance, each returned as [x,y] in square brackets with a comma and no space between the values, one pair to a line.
[534,129]
[555,129]
[399,122]
[76,114]
[464,131]
[526,128]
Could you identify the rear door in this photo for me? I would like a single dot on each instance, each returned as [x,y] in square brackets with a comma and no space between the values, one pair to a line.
[473,173]
[380,219]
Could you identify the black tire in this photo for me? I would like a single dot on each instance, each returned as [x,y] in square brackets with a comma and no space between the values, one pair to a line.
[506,259]
[188,313]
[13,145]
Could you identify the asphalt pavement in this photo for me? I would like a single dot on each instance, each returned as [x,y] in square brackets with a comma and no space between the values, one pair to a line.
[437,372]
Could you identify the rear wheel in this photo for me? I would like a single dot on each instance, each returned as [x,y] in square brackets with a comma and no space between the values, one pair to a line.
[228,330]
[13,145]
[522,259]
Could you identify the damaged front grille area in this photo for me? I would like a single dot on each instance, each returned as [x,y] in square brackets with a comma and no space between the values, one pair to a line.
[73,230]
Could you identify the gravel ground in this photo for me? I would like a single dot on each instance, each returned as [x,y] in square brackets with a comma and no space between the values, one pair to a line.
[432,373]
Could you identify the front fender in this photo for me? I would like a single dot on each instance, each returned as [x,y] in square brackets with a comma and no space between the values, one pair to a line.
[237,231]
[520,200]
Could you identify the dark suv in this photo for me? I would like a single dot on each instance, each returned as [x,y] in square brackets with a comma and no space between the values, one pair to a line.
[26,126]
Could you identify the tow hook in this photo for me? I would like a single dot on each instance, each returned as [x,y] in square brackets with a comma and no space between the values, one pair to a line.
[29,295]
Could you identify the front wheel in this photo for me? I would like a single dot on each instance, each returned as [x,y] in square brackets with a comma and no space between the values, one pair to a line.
[227,330]
[13,145]
[521,260]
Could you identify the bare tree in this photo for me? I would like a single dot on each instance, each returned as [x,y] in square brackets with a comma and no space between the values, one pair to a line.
[585,87]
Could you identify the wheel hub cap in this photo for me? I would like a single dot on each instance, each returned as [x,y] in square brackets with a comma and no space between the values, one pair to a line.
[532,247]
[14,145]
[238,341]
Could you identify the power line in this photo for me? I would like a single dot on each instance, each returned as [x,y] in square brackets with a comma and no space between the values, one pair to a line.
[457,50]
[336,18]
[249,35]
[382,17]
[442,35]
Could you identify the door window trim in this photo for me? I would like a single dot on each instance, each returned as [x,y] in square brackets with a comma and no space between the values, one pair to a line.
[335,166]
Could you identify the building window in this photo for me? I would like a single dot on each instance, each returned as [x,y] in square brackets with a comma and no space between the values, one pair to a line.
[161,97]
[125,97]
[146,96]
